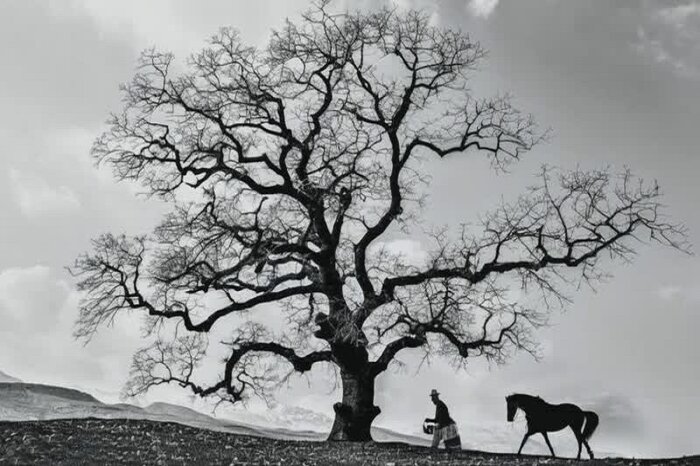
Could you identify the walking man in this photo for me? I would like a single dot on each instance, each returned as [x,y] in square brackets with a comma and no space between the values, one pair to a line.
[445,429]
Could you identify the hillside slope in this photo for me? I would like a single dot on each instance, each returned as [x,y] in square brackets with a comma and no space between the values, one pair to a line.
[4,378]
[35,402]
[120,441]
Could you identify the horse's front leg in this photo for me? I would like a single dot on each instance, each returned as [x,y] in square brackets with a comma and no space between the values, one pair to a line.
[527,435]
[546,439]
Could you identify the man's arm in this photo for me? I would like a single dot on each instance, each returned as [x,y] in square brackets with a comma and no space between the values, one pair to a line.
[437,414]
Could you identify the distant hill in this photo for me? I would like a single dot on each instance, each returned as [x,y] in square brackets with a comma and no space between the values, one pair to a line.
[34,402]
[183,415]
[4,378]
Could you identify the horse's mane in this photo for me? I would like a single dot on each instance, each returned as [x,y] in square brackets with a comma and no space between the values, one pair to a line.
[524,396]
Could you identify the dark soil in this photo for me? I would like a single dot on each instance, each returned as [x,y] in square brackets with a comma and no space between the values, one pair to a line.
[120,441]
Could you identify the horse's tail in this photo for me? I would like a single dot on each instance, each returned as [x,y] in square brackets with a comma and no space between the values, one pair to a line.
[591,424]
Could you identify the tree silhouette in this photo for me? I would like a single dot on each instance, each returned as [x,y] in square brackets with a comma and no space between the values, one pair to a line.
[287,166]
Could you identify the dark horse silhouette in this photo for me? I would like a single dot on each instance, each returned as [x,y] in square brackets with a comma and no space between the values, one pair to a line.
[543,417]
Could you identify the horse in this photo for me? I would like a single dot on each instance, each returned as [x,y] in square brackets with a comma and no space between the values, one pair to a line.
[543,417]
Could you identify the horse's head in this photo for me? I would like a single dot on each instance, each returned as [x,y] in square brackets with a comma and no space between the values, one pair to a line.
[512,404]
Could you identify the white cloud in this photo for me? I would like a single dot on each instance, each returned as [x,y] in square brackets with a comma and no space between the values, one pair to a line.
[669,292]
[29,298]
[677,293]
[138,18]
[670,36]
[36,197]
[179,26]
[72,146]
[410,251]
[73,143]
[482,8]
[402,4]
[37,310]
[679,14]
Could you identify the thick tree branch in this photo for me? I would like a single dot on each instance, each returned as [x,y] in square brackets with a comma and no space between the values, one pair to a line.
[392,349]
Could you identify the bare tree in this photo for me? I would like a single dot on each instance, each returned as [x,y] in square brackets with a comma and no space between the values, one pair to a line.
[303,156]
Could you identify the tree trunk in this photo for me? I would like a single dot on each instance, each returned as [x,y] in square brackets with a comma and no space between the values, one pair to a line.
[354,415]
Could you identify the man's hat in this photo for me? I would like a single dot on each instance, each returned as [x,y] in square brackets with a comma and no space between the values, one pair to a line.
[434,392]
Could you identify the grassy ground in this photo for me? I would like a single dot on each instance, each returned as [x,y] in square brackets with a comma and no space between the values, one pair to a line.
[118,441]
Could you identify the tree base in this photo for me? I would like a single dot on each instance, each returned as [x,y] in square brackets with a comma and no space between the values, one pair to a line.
[352,424]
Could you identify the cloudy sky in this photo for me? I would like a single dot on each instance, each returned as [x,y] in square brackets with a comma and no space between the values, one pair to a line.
[619,83]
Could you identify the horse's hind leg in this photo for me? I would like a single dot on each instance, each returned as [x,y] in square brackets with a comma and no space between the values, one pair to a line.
[576,427]
[546,439]
[588,448]
[579,440]
[528,434]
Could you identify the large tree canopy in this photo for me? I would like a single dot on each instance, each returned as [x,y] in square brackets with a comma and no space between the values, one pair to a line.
[289,166]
